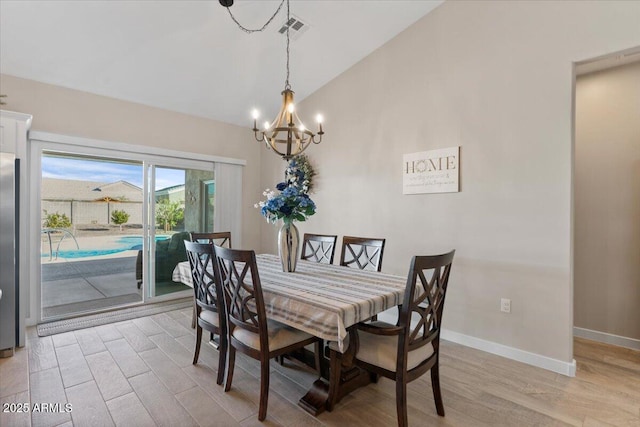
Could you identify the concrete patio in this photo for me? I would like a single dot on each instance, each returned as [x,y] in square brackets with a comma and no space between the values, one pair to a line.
[74,287]
[70,287]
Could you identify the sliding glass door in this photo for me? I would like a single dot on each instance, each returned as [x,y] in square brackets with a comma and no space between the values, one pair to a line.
[180,204]
[92,223]
[112,226]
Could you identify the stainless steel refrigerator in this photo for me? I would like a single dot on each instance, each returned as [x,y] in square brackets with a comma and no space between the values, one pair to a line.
[9,277]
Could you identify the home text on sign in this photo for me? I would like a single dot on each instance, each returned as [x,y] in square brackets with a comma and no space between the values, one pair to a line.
[435,171]
[430,165]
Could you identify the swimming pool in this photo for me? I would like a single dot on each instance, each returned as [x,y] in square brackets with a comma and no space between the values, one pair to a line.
[107,247]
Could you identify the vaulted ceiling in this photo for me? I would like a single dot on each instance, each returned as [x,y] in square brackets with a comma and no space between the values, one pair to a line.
[189,56]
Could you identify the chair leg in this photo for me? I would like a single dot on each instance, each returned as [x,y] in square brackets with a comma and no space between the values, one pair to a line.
[435,385]
[231,361]
[335,371]
[264,389]
[401,402]
[194,315]
[196,353]
[318,347]
[222,359]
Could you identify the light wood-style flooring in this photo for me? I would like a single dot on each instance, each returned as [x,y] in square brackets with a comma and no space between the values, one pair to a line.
[139,373]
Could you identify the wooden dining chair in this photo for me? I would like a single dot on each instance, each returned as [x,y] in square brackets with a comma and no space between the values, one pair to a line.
[362,252]
[208,297]
[318,248]
[221,238]
[249,331]
[405,351]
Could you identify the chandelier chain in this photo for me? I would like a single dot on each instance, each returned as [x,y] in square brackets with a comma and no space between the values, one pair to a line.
[287,86]
[258,30]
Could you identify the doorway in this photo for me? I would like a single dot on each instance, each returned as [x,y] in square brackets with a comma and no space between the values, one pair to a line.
[606,216]
[113,225]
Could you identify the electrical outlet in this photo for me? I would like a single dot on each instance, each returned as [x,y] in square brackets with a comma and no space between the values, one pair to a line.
[505,305]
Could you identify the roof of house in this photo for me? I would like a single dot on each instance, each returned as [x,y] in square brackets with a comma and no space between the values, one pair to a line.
[70,189]
[171,189]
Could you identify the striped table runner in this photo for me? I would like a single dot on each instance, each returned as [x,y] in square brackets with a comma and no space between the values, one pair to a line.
[320,299]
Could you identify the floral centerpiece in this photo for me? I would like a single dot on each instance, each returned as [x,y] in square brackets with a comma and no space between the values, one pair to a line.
[292,203]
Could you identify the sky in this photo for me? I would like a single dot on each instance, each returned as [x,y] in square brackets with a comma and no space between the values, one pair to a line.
[106,171]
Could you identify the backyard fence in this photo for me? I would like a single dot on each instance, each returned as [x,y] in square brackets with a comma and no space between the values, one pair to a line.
[98,213]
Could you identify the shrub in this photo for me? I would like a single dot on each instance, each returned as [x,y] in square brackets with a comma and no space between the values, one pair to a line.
[169,214]
[56,220]
[119,217]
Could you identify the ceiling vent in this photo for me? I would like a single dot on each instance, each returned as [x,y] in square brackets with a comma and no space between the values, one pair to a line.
[296,27]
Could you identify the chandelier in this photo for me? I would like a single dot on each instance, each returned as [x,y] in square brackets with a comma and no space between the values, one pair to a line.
[286,134]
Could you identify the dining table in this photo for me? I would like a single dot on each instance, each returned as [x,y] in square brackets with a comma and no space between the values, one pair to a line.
[324,300]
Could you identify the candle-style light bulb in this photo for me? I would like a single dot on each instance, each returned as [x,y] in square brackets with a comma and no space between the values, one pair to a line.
[301,127]
[290,109]
[266,125]
[255,113]
[319,119]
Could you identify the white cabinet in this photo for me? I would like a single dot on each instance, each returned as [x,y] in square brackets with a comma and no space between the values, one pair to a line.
[14,131]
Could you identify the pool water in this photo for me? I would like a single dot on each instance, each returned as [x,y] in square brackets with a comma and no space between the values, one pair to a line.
[134,243]
[119,244]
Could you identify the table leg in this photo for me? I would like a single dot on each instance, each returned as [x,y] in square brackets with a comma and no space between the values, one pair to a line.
[315,401]
[344,378]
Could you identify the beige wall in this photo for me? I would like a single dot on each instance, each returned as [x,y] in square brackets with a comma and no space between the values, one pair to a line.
[496,79]
[607,201]
[71,112]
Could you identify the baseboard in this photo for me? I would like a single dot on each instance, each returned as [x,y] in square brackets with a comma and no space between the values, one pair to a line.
[606,338]
[544,362]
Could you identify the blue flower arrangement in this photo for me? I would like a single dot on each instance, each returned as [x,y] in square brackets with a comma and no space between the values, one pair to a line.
[292,203]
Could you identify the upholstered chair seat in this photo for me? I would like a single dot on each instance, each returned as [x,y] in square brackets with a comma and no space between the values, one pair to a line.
[211,318]
[280,336]
[382,350]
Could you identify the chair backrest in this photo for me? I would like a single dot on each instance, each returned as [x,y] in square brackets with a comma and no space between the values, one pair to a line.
[362,252]
[318,248]
[201,259]
[423,304]
[236,272]
[220,238]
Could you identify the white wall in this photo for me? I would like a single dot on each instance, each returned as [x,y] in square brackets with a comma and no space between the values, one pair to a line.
[495,78]
[607,201]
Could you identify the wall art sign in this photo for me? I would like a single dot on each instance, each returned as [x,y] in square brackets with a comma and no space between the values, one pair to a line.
[434,171]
